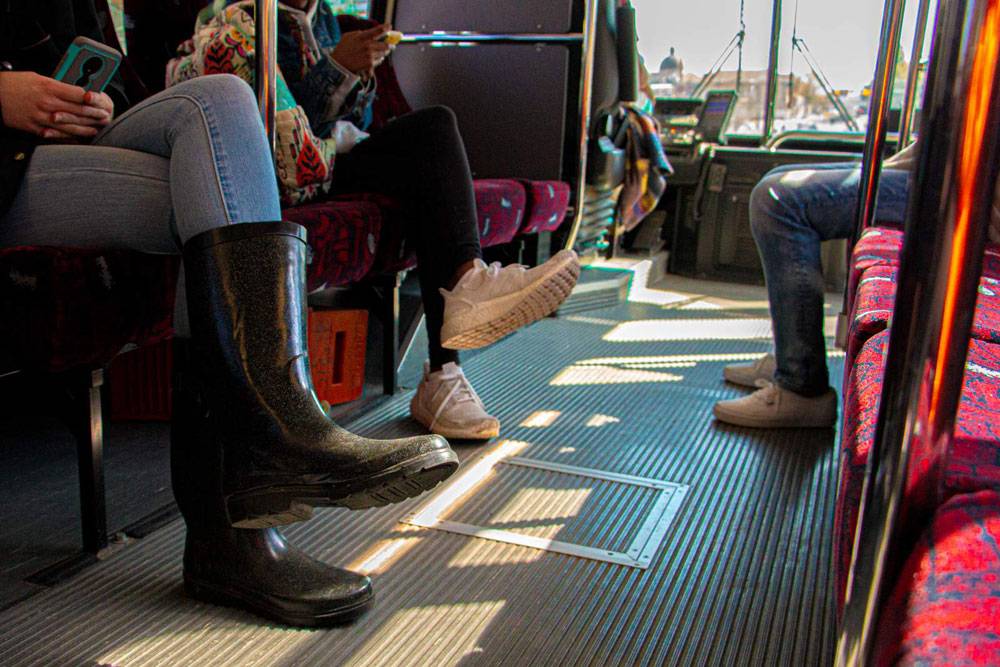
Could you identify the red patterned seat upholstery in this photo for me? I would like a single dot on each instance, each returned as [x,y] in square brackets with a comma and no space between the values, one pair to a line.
[61,308]
[945,606]
[876,297]
[343,237]
[880,246]
[973,462]
[547,204]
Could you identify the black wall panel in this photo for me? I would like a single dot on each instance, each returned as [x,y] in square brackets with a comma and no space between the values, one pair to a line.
[487,16]
[509,99]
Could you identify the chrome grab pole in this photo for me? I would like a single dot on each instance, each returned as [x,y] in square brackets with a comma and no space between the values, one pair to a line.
[586,97]
[913,77]
[946,231]
[771,96]
[266,49]
[878,115]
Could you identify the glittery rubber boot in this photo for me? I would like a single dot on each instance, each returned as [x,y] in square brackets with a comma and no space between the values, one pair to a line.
[254,569]
[250,392]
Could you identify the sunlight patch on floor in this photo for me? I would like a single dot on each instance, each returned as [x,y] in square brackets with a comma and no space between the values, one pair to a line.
[606,375]
[541,419]
[534,504]
[597,421]
[458,624]
[643,331]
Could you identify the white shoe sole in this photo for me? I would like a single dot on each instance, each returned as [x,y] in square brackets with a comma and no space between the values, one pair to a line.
[527,305]
[425,420]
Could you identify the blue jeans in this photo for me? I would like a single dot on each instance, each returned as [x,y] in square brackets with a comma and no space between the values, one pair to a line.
[792,210]
[189,159]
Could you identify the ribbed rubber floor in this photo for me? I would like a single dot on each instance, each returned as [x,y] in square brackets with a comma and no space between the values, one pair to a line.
[742,577]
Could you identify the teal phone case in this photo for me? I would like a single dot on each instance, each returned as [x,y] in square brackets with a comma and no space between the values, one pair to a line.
[88,64]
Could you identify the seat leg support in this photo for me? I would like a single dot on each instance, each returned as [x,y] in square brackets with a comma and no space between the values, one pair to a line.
[88,429]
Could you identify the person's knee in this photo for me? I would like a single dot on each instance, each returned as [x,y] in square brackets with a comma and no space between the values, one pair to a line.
[220,90]
[437,119]
[764,199]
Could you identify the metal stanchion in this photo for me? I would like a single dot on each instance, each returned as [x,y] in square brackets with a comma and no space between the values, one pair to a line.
[946,231]
[771,95]
[586,97]
[913,76]
[266,49]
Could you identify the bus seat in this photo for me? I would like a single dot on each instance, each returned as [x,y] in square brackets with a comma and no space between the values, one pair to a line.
[65,308]
[880,246]
[876,297]
[547,203]
[945,606]
[343,237]
[973,464]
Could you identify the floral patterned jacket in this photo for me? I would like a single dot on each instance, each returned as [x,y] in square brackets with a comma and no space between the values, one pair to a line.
[314,92]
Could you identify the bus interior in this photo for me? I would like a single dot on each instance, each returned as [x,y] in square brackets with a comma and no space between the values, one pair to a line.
[614,521]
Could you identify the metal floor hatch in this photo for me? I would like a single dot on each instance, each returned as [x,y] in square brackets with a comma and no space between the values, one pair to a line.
[742,575]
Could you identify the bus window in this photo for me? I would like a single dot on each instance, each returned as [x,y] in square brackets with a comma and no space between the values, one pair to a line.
[825,64]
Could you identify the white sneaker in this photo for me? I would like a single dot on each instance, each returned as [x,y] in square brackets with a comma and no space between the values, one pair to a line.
[490,302]
[446,404]
[774,407]
[746,375]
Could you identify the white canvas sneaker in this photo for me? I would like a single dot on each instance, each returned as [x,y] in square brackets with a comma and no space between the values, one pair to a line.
[446,404]
[774,407]
[746,375]
[492,301]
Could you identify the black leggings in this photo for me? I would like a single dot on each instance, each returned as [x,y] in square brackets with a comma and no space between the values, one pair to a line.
[419,159]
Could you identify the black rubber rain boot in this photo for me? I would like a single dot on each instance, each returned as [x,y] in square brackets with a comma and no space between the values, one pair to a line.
[249,379]
[253,569]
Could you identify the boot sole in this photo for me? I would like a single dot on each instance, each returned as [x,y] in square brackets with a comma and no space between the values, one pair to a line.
[217,595]
[529,305]
[282,505]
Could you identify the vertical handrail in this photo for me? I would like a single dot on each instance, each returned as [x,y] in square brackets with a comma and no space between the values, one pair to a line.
[913,77]
[266,50]
[586,98]
[771,95]
[878,116]
[946,231]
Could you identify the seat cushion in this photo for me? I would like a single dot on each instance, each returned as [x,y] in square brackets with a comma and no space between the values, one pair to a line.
[500,204]
[973,463]
[876,298]
[881,246]
[343,238]
[547,202]
[945,607]
[63,308]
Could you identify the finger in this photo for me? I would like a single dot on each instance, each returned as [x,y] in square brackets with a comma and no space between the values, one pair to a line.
[63,117]
[66,92]
[51,133]
[54,105]
[73,130]
[99,100]
[374,33]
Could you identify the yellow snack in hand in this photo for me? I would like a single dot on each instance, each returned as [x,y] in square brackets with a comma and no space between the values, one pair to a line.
[393,37]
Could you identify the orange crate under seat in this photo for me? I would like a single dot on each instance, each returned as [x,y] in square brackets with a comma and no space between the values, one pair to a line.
[337,341]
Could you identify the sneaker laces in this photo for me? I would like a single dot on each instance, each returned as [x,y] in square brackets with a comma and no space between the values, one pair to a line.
[767,393]
[459,391]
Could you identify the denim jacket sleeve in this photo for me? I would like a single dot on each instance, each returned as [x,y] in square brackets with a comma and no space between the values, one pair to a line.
[329,93]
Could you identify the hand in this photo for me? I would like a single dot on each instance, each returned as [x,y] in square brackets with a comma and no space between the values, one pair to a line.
[360,51]
[52,109]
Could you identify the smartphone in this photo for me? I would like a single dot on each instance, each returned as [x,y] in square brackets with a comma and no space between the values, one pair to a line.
[391,37]
[88,64]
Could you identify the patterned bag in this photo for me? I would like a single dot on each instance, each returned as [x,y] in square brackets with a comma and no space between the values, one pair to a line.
[223,43]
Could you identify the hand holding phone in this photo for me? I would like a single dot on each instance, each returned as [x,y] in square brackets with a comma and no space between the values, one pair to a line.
[51,109]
